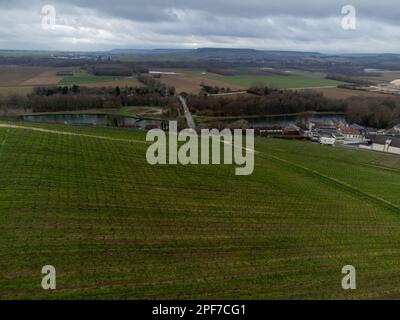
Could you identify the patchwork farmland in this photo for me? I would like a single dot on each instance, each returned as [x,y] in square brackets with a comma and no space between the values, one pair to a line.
[18,75]
[86,201]
[21,80]
[191,80]
[82,77]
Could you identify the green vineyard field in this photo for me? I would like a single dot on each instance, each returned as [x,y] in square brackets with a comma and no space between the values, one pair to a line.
[86,201]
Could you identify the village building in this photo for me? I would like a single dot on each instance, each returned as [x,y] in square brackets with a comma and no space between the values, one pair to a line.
[328,132]
[292,131]
[273,131]
[351,135]
[395,131]
[362,130]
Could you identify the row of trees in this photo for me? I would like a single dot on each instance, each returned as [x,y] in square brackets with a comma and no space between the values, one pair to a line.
[53,99]
[156,86]
[56,103]
[275,102]
[380,112]
[205,89]
[115,69]
[77,90]
[347,78]
[16,102]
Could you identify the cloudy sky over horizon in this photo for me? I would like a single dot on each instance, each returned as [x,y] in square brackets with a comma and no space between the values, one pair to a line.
[307,25]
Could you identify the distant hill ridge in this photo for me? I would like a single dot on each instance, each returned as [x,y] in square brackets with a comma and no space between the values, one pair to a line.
[211,51]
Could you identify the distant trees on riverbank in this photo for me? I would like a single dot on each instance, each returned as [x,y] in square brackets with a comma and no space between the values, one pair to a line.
[380,112]
[54,99]
[268,102]
[377,112]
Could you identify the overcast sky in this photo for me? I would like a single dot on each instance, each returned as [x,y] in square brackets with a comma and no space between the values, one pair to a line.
[308,25]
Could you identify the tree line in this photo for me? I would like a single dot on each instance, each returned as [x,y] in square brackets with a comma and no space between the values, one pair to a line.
[156,86]
[267,102]
[115,69]
[55,99]
[347,79]
[380,112]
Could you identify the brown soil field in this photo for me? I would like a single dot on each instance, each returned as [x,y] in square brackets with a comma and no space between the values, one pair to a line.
[192,84]
[340,93]
[16,75]
[48,77]
[45,78]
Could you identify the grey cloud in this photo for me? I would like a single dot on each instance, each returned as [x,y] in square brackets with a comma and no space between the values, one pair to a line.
[263,24]
[156,10]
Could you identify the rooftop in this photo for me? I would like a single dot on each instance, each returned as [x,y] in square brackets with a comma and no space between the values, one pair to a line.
[348,130]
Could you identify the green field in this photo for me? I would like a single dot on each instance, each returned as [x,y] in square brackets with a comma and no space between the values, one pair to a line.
[85,78]
[135,111]
[86,201]
[292,81]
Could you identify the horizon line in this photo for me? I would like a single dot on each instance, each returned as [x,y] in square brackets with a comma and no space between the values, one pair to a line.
[199,48]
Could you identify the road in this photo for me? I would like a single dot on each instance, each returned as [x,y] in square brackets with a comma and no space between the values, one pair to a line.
[189,118]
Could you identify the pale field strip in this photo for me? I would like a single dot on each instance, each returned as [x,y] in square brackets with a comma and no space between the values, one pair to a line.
[11,126]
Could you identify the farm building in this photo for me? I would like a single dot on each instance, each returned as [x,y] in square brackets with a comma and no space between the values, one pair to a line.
[362,130]
[394,131]
[273,131]
[329,132]
[292,131]
[351,135]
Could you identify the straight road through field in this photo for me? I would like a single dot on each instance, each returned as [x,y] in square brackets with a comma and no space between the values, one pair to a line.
[189,118]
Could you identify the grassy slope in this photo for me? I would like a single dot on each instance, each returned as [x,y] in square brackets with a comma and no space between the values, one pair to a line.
[115,227]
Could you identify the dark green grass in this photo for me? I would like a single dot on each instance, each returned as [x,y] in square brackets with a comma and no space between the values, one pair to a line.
[115,227]
[294,80]
[85,78]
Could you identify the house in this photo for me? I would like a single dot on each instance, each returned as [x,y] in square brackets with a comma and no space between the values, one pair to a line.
[315,136]
[273,131]
[292,131]
[351,135]
[328,132]
[395,131]
[362,130]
